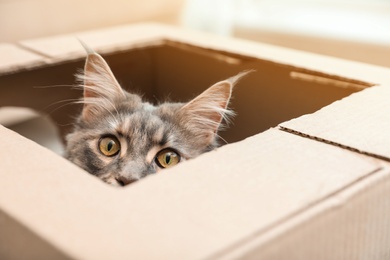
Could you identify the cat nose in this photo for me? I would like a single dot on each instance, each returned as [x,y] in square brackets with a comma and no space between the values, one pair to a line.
[123,181]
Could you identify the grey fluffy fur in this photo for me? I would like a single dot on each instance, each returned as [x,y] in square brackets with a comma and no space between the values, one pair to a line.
[141,128]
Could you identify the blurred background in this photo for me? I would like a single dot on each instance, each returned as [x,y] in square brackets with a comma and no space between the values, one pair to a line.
[357,30]
[352,29]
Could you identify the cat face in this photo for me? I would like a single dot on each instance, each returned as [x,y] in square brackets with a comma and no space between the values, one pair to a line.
[120,138]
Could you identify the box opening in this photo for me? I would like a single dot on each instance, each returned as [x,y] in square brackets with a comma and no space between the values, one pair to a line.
[273,93]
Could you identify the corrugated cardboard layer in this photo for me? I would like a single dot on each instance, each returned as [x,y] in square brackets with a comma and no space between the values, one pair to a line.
[198,209]
[360,122]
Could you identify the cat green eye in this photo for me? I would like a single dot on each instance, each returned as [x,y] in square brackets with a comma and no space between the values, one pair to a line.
[109,146]
[167,158]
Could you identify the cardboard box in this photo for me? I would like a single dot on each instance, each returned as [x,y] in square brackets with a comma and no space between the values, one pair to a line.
[315,187]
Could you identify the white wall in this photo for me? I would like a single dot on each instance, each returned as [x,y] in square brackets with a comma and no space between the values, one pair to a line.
[350,29]
[23,19]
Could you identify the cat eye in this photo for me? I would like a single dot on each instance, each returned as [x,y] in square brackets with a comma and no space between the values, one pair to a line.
[109,145]
[167,158]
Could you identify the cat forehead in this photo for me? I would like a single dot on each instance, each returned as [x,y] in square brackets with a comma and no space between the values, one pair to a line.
[145,117]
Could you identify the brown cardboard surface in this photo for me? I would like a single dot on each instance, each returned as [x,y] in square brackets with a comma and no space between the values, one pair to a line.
[300,59]
[352,224]
[13,115]
[360,122]
[65,47]
[14,58]
[177,212]
[119,38]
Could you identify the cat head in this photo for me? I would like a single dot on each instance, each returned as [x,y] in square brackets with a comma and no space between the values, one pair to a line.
[120,138]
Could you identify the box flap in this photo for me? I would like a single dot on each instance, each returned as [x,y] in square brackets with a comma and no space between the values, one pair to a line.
[192,211]
[359,122]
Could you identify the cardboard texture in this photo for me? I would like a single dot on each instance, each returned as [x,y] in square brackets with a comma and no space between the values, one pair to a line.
[316,187]
[14,58]
[360,122]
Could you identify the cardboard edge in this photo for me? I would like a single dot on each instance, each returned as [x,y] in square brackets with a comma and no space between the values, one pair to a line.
[15,58]
[106,40]
[300,126]
[121,38]
[372,74]
[13,115]
[297,72]
[326,141]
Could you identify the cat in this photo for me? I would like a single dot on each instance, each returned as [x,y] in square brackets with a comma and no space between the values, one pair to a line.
[120,138]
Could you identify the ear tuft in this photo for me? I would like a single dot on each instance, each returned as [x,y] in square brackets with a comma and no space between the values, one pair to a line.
[235,79]
[88,49]
[101,89]
[207,113]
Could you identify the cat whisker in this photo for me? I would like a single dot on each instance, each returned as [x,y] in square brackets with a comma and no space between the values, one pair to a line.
[63,125]
[220,137]
[70,102]
[53,86]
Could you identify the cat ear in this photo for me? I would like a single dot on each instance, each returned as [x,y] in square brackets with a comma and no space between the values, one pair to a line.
[203,115]
[100,86]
